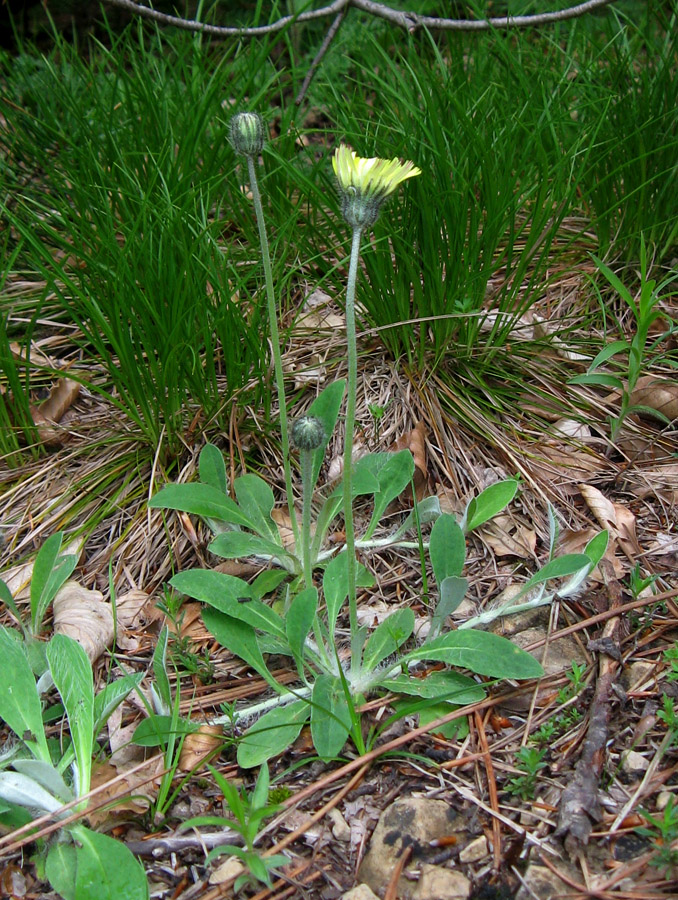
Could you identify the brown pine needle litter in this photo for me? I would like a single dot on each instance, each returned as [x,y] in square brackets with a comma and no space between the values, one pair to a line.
[95,488]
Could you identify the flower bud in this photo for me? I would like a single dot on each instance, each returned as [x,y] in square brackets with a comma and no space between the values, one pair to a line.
[308,433]
[246,133]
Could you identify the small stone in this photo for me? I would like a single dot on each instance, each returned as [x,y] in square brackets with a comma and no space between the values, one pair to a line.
[556,658]
[538,881]
[340,828]
[360,892]
[466,610]
[474,851]
[633,763]
[635,674]
[439,883]
[663,800]
[232,868]
[410,822]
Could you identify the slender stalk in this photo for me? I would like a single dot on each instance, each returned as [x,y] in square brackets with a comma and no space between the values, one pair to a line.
[306,461]
[275,341]
[348,437]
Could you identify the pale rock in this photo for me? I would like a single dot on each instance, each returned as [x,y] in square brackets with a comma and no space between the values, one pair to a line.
[439,883]
[232,868]
[556,658]
[572,428]
[466,610]
[540,882]
[360,892]
[633,763]
[474,851]
[340,829]
[410,822]
[636,674]
[662,801]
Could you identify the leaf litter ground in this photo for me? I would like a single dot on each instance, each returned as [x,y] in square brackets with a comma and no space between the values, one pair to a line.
[606,753]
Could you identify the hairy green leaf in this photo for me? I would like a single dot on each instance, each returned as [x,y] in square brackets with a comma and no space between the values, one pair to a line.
[330,716]
[481,652]
[272,734]
[447,548]
[387,638]
[20,704]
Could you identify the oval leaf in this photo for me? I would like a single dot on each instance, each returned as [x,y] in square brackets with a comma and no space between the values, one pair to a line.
[330,716]
[20,705]
[231,596]
[489,503]
[447,548]
[388,637]
[481,652]
[451,687]
[256,500]
[200,500]
[105,869]
[272,734]
[212,469]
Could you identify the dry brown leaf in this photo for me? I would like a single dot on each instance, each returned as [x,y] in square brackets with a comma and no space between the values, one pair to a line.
[13,883]
[50,411]
[656,393]
[572,428]
[617,519]
[450,502]
[133,613]
[281,517]
[311,372]
[336,467]
[322,320]
[415,442]
[136,802]
[575,542]
[656,480]
[199,745]
[227,871]
[239,568]
[562,465]
[509,538]
[124,754]
[85,616]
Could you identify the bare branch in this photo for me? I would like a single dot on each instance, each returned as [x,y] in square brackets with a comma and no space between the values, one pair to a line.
[324,47]
[411,21]
[408,20]
[224,31]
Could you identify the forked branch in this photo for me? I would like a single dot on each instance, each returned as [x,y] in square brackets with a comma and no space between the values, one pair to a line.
[408,20]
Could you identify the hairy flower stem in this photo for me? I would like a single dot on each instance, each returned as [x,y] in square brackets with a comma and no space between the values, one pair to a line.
[306,462]
[348,437]
[275,341]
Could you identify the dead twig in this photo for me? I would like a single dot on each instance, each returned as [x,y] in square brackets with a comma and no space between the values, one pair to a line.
[579,806]
[491,790]
[317,59]
[408,20]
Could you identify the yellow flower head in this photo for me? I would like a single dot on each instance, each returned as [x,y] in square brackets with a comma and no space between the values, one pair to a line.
[365,183]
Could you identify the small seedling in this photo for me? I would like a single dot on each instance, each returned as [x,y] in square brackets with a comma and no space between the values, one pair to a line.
[183,657]
[639,582]
[576,678]
[377,412]
[671,658]
[663,831]
[638,352]
[249,811]
[547,732]
[669,716]
[529,760]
